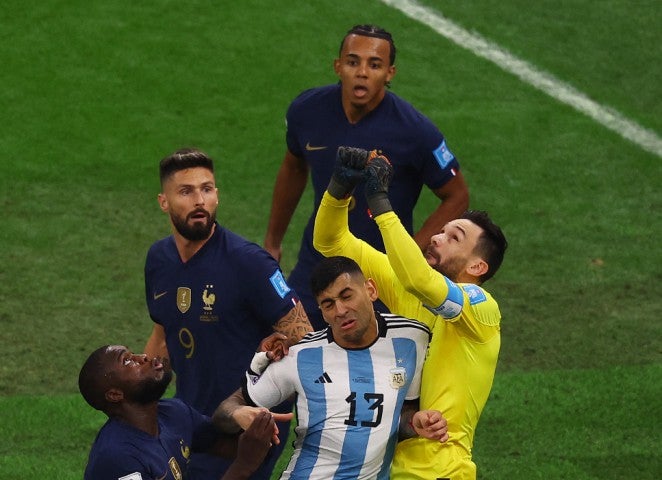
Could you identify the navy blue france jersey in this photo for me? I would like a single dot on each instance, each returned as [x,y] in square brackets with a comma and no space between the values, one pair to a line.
[215,310]
[121,451]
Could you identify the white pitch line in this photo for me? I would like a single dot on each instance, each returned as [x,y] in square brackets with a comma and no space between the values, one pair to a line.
[546,82]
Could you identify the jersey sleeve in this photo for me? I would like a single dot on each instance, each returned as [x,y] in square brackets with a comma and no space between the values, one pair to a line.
[297,114]
[331,237]
[264,285]
[204,434]
[438,163]
[436,292]
[272,386]
[112,465]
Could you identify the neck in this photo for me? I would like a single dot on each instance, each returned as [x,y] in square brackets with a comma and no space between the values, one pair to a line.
[142,417]
[355,113]
[187,248]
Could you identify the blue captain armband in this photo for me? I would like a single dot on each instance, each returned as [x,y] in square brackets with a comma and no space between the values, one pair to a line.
[452,305]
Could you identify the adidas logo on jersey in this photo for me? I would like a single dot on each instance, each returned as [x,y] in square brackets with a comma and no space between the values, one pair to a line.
[324,378]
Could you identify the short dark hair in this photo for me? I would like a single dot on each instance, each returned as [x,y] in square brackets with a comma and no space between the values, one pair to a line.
[328,269]
[183,159]
[92,379]
[371,31]
[492,243]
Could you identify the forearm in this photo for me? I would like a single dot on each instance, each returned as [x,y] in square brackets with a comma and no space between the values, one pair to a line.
[454,197]
[405,428]
[408,263]
[156,343]
[331,234]
[289,186]
[222,417]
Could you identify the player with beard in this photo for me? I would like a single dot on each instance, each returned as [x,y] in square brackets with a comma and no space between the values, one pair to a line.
[213,296]
[149,438]
[441,288]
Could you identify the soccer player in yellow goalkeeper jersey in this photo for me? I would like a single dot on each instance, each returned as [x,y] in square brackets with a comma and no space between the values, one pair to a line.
[442,288]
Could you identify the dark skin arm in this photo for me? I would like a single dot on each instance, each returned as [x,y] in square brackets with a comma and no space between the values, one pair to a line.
[454,196]
[252,447]
[290,184]
[233,414]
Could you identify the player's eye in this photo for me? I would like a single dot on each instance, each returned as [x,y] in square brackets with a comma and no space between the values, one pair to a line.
[129,361]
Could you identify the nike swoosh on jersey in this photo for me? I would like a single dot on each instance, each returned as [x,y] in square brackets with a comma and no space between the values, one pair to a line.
[310,148]
[159,295]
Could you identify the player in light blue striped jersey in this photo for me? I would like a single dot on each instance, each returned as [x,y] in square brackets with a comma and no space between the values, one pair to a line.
[356,383]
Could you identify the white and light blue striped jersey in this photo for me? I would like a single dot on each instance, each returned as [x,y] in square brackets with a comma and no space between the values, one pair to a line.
[348,400]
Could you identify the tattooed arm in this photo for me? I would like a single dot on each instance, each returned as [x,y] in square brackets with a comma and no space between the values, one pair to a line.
[294,324]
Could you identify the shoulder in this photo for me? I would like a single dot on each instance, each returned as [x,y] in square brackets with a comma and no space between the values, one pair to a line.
[480,303]
[312,339]
[405,327]
[311,99]
[172,406]
[241,250]
[114,440]
[407,111]
[160,249]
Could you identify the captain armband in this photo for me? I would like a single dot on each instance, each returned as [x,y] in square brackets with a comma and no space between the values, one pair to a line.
[452,305]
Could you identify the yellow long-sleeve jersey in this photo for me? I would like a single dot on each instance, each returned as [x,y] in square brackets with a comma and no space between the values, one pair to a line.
[464,320]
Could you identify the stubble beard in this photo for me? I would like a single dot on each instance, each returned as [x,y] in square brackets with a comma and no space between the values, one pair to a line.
[151,390]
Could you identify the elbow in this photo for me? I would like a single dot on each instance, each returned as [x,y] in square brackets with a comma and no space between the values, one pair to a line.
[322,248]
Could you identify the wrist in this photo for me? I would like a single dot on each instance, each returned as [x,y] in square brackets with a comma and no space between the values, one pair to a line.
[339,190]
[379,203]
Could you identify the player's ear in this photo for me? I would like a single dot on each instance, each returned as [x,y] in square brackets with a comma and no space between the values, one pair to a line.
[391,73]
[371,288]
[163,202]
[336,66]
[114,395]
[477,267]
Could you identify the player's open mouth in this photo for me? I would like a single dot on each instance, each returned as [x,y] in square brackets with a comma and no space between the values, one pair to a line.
[360,91]
[431,256]
[198,215]
[159,363]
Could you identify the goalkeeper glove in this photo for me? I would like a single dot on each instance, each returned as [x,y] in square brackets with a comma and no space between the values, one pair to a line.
[348,171]
[378,175]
